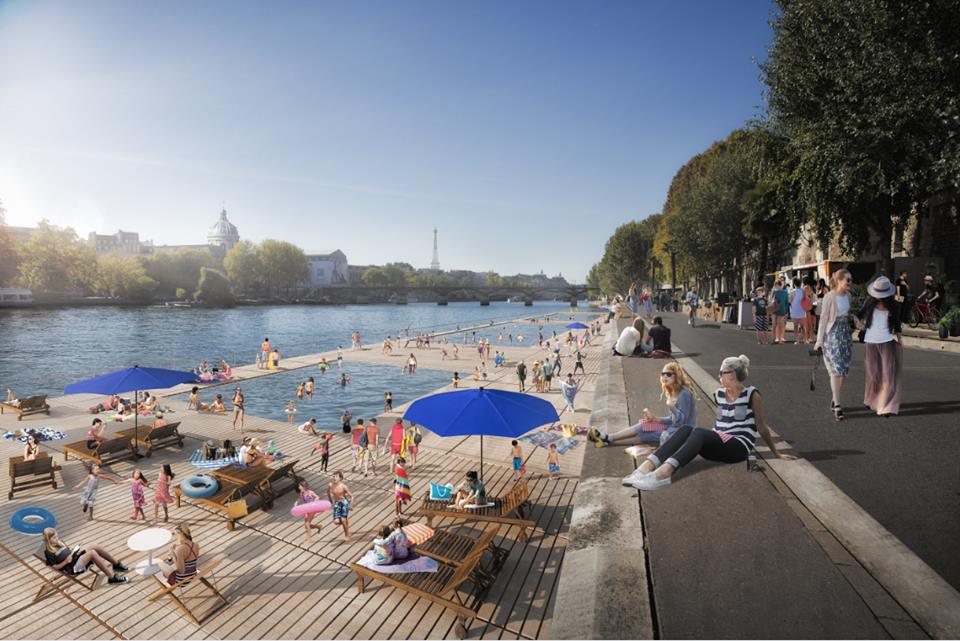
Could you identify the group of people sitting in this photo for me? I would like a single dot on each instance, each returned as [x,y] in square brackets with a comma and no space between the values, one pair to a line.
[209,374]
[392,544]
[633,342]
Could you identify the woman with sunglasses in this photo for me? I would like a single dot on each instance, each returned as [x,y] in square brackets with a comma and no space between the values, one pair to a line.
[676,391]
[834,337]
[739,419]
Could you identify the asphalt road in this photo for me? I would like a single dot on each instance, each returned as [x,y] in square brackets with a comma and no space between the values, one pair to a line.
[904,471]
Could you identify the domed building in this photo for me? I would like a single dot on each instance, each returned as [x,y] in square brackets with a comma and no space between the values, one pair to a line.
[223,233]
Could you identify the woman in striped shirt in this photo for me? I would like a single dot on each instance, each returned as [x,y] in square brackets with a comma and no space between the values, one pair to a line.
[739,420]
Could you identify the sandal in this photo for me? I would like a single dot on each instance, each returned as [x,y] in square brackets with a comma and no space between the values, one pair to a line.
[837,413]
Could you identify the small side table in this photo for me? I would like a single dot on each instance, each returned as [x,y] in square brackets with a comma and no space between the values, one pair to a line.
[149,540]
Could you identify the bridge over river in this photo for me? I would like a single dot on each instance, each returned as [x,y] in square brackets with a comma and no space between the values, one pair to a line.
[443,294]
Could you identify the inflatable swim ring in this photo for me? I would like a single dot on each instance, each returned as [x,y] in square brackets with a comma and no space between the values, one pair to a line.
[310,508]
[199,486]
[33,520]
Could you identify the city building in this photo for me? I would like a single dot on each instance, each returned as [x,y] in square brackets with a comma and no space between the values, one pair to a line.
[223,235]
[123,242]
[328,269]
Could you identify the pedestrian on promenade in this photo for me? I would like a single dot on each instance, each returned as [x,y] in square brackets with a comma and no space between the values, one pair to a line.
[547,374]
[810,327]
[902,297]
[569,389]
[633,298]
[739,419]
[162,497]
[137,482]
[677,392]
[779,303]
[834,336]
[693,301]
[553,461]
[760,321]
[237,408]
[522,376]
[647,300]
[341,498]
[798,313]
[579,364]
[357,432]
[518,466]
[264,354]
[397,434]
[306,495]
[414,437]
[883,360]
[401,484]
[373,442]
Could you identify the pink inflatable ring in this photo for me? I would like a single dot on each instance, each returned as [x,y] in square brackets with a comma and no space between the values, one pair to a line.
[310,508]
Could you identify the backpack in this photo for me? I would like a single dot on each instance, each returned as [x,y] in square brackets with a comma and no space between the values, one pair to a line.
[417,438]
[364,440]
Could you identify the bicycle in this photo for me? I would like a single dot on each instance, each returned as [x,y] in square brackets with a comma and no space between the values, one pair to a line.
[923,312]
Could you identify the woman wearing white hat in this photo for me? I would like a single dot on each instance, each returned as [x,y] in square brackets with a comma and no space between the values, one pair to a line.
[883,360]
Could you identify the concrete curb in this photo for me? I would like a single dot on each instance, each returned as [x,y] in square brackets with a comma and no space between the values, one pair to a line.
[917,588]
[602,592]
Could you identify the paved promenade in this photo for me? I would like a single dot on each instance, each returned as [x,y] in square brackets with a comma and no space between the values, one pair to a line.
[278,585]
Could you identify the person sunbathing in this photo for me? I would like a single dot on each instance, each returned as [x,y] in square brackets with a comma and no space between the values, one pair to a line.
[160,421]
[470,492]
[216,406]
[110,404]
[149,405]
[226,373]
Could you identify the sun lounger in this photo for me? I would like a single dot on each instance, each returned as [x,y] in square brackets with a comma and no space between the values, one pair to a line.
[274,484]
[236,484]
[509,509]
[441,587]
[199,581]
[150,438]
[27,406]
[455,549]
[38,472]
[110,450]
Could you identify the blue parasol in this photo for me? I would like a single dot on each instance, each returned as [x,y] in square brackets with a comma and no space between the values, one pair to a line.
[577,326]
[481,412]
[133,379]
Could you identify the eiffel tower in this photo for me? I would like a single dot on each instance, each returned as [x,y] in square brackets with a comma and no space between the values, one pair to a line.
[435,263]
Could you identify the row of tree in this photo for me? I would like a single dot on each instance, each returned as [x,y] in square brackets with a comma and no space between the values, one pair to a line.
[862,131]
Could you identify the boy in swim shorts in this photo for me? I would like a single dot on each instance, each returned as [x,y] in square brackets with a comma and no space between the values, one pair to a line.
[518,467]
[341,498]
[553,461]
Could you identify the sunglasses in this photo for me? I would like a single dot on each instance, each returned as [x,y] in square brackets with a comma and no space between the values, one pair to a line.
[666,374]
[726,371]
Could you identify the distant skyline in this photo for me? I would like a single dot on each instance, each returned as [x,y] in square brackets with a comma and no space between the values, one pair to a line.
[525,132]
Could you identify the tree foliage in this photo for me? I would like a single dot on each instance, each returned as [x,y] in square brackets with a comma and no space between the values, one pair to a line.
[56,261]
[178,270]
[242,264]
[119,275]
[868,94]
[214,288]
[374,277]
[628,256]
[9,256]
[283,265]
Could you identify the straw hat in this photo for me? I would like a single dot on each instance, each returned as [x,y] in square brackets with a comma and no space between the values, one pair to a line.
[881,288]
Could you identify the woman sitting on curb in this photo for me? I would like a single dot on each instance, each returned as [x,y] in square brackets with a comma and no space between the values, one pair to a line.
[739,418]
[676,390]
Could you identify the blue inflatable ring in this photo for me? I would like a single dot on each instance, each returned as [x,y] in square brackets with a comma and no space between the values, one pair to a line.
[32,520]
[199,486]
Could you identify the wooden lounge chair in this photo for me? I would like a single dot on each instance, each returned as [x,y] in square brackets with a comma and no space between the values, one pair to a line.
[150,438]
[38,472]
[112,449]
[502,510]
[229,491]
[199,581]
[273,485]
[440,587]
[456,549]
[62,578]
[29,405]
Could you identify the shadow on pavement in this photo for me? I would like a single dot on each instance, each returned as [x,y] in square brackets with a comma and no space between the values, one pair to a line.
[829,455]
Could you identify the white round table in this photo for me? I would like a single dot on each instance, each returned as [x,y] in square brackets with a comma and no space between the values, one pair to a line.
[149,540]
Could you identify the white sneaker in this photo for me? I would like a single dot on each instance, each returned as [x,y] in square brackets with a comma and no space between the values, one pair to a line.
[651,482]
[634,476]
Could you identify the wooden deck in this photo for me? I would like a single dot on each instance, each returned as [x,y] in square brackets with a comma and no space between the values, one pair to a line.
[278,586]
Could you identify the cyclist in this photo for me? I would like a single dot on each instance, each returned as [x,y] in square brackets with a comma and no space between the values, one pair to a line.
[932,294]
[693,301]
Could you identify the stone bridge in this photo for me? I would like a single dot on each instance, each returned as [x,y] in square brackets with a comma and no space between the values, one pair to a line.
[443,294]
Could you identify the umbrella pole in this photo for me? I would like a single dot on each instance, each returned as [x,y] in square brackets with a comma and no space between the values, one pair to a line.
[481,458]
[136,420]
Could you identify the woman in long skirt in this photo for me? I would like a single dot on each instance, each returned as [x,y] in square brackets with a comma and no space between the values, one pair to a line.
[883,360]
[834,336]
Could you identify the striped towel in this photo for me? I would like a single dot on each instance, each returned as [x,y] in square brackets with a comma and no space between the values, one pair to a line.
[652,426]
[197,460]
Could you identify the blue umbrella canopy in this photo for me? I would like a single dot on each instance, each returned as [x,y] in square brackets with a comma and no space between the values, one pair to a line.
[132,379]
[577,326]
[481,412]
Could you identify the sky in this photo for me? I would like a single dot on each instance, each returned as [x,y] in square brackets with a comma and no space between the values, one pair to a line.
[526,132]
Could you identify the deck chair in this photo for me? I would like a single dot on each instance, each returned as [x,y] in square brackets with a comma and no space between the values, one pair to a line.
[502,511]
[38,472]
[112,449]
[456,549]
[199,581]
[30,405]
[273,485]
[62,578]
[155,437]
[440,587]
[227,494]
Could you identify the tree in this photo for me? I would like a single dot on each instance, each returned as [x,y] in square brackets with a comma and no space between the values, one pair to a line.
[395,274]
[243,267]
[119,275]
[56,261]
[9,256]
[627,257]
[283,265]
[143,290]
[374,277]
[868,94]
[214,288]
[178,270]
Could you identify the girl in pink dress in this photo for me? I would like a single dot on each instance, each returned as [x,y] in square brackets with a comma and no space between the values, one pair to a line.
[137,482]
[162,496]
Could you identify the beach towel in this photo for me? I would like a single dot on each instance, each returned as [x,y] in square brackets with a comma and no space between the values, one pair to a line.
[567,444]
[415,564]
[542,438]
[42,434]
[197,460]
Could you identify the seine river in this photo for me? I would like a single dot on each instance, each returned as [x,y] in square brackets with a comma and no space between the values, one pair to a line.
[44,350]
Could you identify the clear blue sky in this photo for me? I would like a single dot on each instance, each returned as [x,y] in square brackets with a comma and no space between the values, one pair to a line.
[525,131]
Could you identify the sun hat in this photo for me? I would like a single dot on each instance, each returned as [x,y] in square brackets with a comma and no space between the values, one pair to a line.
[881,288]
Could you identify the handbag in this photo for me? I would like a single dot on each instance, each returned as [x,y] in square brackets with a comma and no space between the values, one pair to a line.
[806,304]
[237,508]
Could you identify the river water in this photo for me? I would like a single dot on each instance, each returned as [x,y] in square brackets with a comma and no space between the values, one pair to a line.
[44,350]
